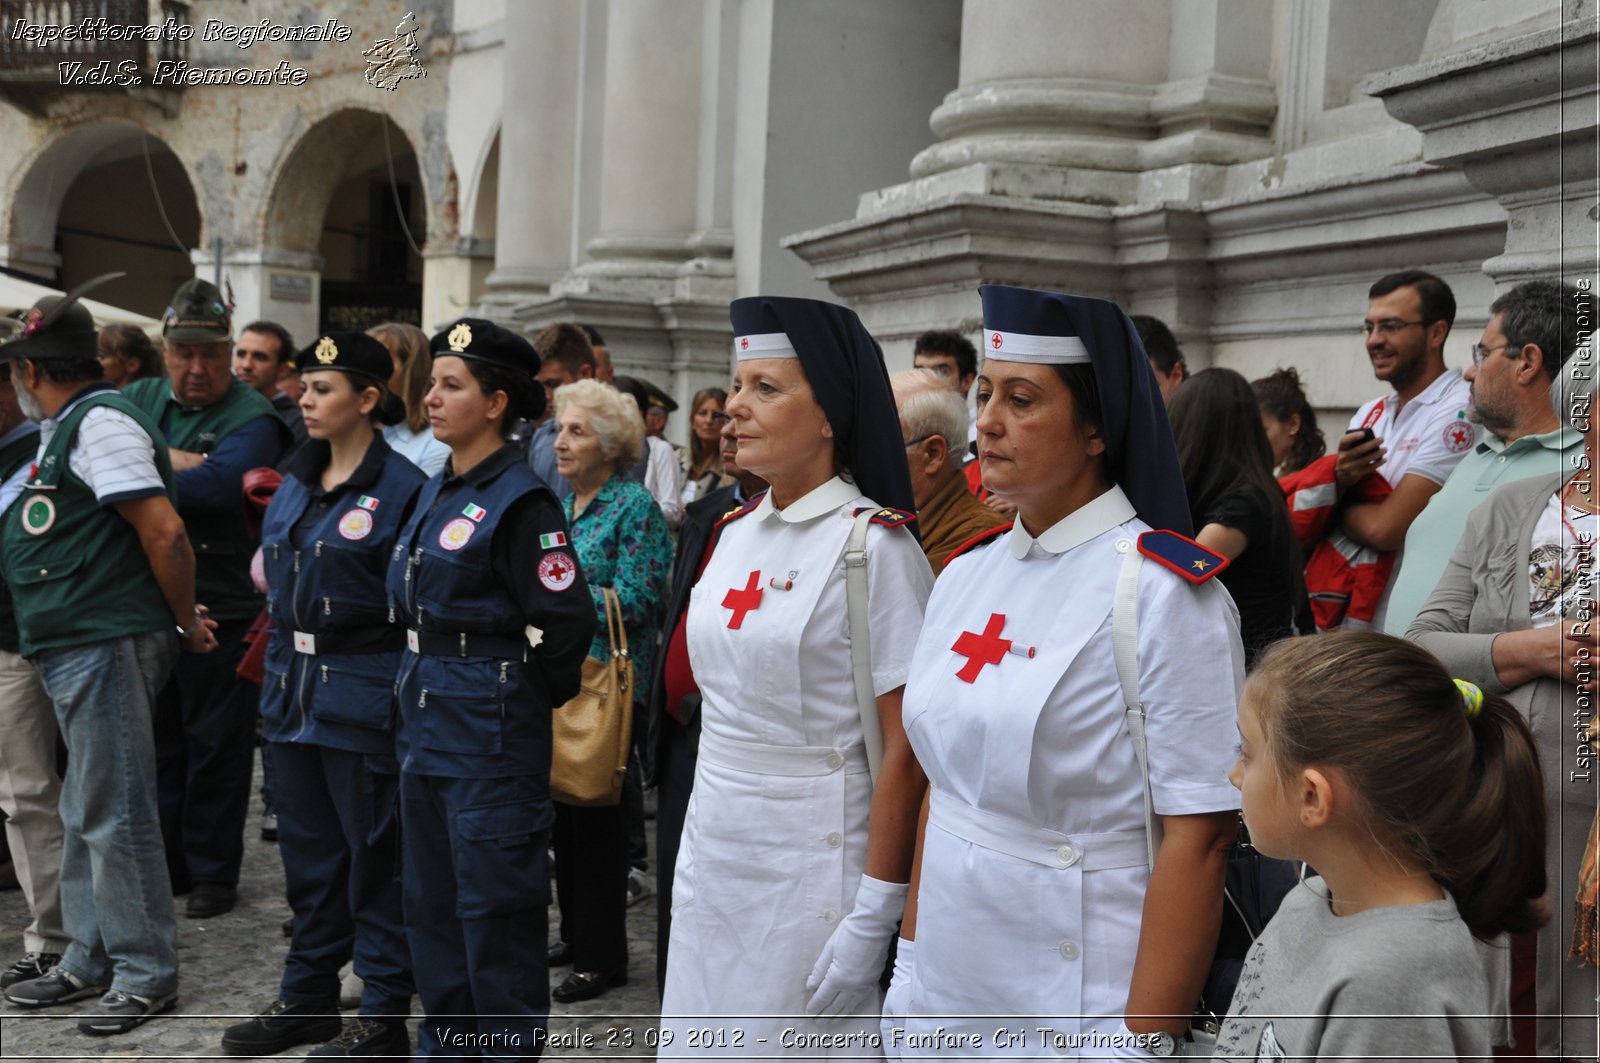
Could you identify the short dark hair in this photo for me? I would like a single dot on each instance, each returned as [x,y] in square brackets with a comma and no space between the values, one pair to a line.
[67,370]
[1159,343]
[525,399]
[953,343]
[595,339]
[277,332]
[566,345]
[1438,301]
[1554,317]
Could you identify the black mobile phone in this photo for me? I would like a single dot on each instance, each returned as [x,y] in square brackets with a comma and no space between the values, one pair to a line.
[1365,433]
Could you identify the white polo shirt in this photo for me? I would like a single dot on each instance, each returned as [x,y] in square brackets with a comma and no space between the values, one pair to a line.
[1429,437]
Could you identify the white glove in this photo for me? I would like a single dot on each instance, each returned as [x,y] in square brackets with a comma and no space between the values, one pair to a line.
[896,1000]
[852,961]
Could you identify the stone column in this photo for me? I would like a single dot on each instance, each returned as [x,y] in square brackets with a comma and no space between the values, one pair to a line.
[1066,117]
[1518,117]
[538,146]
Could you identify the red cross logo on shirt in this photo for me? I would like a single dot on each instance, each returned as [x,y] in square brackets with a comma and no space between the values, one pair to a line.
[742,601]
[744,343]
[983,649]
[995,341]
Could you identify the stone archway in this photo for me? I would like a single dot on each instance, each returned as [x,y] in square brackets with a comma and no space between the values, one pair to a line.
[337,250]
[107,196]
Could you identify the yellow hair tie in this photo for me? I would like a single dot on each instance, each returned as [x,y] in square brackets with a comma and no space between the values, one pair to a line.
[1471,698]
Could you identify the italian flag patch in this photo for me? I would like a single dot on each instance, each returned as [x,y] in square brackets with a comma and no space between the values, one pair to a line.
[475,512]
[552,540]
[367,502]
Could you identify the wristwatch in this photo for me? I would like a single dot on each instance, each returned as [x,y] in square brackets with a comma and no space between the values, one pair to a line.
[1160,1043]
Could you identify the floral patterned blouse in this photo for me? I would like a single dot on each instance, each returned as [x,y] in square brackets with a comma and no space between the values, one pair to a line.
[623,543]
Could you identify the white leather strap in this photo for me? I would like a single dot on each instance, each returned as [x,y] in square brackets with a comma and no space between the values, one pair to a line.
[855,589]
[1125,648]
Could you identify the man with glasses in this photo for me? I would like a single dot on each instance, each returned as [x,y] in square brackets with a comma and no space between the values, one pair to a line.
[1533,329]
[1420,430]
[565,355]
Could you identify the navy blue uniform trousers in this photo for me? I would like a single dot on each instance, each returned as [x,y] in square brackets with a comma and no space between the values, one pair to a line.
[476,890]
[339,833]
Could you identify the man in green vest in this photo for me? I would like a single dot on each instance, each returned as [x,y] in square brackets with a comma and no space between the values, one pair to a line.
[101,574]
[218,428]
[30,789]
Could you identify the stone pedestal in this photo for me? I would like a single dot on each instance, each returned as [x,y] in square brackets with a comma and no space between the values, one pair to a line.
[1519,119]
[270,285]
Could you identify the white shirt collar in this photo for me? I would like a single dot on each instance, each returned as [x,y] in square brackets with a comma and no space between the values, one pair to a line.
[1430,394]
[819,500]
[1076,528]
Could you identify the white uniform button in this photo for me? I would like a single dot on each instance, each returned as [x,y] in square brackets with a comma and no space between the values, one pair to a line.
[1502,459]
[1068,951]
[834,839]
[44,572]
[830,916]
[835,762]
[1067,854]
[1124,545]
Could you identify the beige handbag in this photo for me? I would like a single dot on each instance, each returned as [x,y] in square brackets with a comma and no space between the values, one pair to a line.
[592,732]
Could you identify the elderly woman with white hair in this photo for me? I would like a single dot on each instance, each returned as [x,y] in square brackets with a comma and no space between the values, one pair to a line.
[622,543]
[1514,613]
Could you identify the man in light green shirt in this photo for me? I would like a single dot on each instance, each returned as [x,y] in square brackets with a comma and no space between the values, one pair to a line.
[1529,337]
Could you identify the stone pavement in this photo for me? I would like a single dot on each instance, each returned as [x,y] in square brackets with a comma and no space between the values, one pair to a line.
[231,965]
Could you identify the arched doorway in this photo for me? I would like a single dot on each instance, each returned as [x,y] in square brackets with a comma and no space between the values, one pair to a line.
[110,196]
[351,193]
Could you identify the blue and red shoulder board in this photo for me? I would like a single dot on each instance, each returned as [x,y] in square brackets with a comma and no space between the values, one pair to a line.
[982,538]
[1182,555]
[889,518]
[738,511]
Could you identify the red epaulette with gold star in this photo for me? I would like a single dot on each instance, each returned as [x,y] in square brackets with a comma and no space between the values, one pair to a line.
[738,511]
[983,537]
[889,518]
[1182,555]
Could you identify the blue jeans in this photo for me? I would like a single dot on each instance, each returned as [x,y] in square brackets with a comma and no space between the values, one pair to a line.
[116,898]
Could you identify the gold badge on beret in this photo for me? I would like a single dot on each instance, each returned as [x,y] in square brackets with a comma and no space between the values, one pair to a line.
[460,337]
[327,350]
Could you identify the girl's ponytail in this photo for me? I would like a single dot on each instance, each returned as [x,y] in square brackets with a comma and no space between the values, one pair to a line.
[1489,853]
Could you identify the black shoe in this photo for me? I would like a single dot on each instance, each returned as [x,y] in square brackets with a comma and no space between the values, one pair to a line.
[120,1012]
[32,965]
[57,987]
[586,985]
[366,1036]
[288,927]
[560,954]
[269,826]
[281,1026]
[211,898]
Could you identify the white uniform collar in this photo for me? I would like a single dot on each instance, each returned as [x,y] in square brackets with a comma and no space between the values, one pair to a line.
[1076,528]
[814,503]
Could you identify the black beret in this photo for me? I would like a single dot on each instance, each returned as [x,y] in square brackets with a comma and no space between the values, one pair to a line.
[350,352]
[474,337]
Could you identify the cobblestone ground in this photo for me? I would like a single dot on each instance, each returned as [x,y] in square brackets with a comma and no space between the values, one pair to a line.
[231,965]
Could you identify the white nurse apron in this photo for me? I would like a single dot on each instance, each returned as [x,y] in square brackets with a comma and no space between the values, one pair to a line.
[774,842]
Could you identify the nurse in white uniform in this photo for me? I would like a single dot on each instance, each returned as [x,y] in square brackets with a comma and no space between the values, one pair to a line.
[793,867]
[1034,899]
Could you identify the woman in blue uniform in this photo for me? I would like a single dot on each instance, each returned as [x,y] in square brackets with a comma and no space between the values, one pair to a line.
[498,620]
[326,708]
